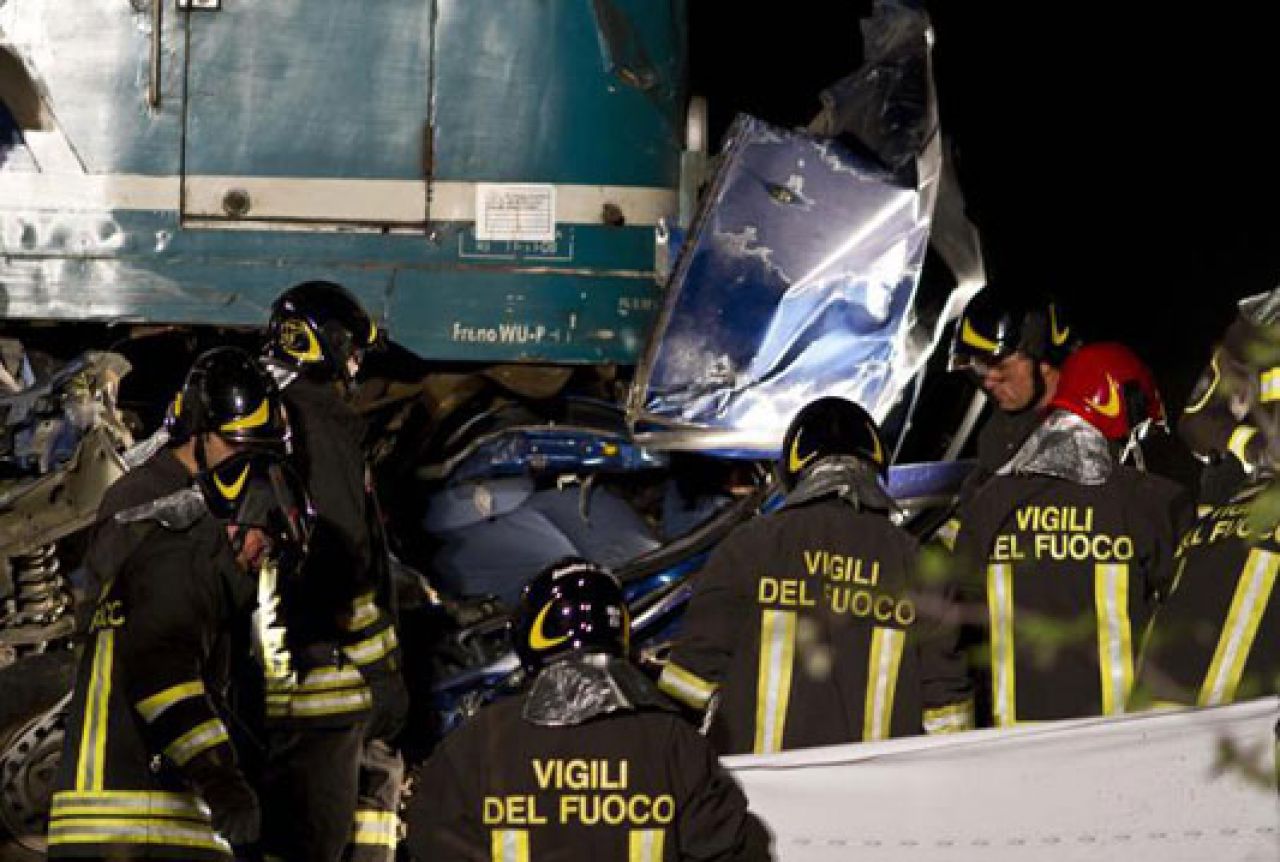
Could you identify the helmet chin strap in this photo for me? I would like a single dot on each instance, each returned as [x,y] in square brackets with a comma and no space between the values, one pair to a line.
[1038,389]
[202,458]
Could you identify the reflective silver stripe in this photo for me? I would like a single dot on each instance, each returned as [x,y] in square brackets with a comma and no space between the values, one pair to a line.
[154,706]
[882,682]
[645,845]
[1000,606]
[1115,638]
[773,692]
[93,738]
[73,803]
[375,827]
[200,738]
[136,830]
[949,719]
[686,687]
[1240,629]
[509,845]
[317,704]
[364,613]
[372,648]
[947,533]
[1270,390]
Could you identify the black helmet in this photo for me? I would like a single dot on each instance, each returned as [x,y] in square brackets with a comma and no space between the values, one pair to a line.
[260,489]
[317,326]
[995,325]
[826,427]
[572,605]
[228,393]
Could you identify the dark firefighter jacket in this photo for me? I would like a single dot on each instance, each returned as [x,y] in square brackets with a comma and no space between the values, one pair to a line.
[327,634]
[142,718]
[591,763]
[1217,639]
[1060,577]
[812,628]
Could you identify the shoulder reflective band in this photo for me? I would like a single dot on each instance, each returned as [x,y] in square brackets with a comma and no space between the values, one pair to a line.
[1238,443]
[686,687]
[645,845]
[773,691]
[510,845]
[93,736]
[1000,607]
[198,739]
[882,682]
[1115,635]
[1253,592]
[1270,389]
[152,707]
[953,718]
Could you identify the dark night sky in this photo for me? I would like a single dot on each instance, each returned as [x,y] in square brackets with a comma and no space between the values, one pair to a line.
[1121,161]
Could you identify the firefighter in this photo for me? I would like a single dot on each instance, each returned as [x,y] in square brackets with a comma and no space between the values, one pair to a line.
[334,695]
[1215,423]
[1066,552]
[1134,418]
[589,762]
[227,403]
[1014,348]
[148,768]
[1217,639]
[810,626]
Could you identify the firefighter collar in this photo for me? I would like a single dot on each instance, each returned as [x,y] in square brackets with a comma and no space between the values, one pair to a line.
[579,688]
[178,511]
[851,479]
[1064,447]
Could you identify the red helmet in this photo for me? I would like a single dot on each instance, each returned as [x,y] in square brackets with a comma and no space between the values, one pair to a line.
[1108,386]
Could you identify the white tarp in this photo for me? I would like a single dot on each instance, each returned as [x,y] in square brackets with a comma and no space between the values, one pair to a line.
[1191,785]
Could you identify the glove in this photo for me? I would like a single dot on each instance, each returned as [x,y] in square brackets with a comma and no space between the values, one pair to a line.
[232,802]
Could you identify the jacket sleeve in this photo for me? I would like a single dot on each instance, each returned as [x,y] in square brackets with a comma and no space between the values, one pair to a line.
[442,822]
[713,819]
[1171,514]
[945,688]
[700,658]
[172,621]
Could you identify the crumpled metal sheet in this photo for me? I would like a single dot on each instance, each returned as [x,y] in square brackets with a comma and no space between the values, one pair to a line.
[1066,447]
[799,277]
